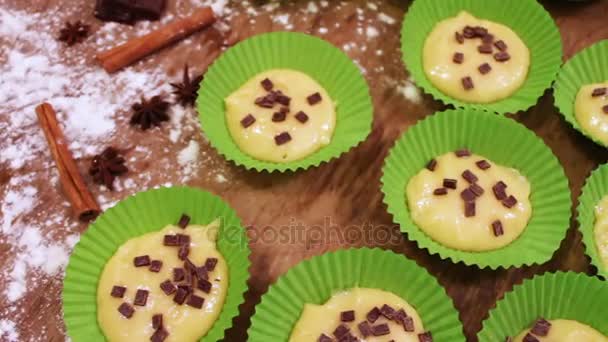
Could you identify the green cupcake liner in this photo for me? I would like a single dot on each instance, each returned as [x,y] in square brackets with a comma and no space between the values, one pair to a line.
[317,279]
[587,66]
[329,66]
[503,141]
[527,18]
[143,213]
[559,295]
[596,187]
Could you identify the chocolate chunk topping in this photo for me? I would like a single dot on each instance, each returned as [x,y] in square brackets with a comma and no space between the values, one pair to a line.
[180,295]
[267,84]
[201,273]
[189,266]
[431,165]
[282,138]
[469,209]
[183,221]
[467,83]
[183,252]
[381,329]
[126,310]
[425,337]
[106,10]
[541,327]
[458,58]
[387,311]
[468,195]
[156,265]
[462,153]
[484,68]
[210,264]
[118,291]
[171,240]
[530,338]
[167,287]
[480,31]
[186,287]
[488,38]
[509,202]
[265,101]
[314,99]
[143,260]
[476,189]
[204,285]
[183,239]
[347,316]
[373,314]
[499,190]
[279,116]
[502,56]
[301,116]
[196,301]
[364,328]
[450,183]
[459,37]
[605,109]
[341,330]
[497,228]
[440,191]
[469,176]
[408,324]
[324,338]
[468,32]
[599,92]
[400,315]
[159,335]
[157,321]
[282,99]
[141,297]
[178,274]
[500,45]
[483,164]
[485,48]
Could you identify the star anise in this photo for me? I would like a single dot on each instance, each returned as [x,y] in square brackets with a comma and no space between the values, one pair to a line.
[186,91]
[106,166]
[148,113]
[73,33]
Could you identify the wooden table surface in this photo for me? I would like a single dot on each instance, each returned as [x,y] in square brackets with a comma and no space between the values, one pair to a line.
[333,197]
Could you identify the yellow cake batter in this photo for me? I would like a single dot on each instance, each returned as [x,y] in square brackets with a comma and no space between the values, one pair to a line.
[589,114]
[601,230]
[323,319]
[563,330]
[258,140]
[501,82]
[443,218]
[184,323]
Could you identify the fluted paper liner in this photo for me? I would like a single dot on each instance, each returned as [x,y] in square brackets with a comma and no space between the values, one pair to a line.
[527,18]
[561,295]
[137,215]
[317,279]
[503,141]
[326,64]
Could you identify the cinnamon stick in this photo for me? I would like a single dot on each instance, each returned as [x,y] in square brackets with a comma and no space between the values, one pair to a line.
[83,203]
[135,49]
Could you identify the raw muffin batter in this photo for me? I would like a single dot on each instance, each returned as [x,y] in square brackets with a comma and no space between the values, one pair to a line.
[436,203]
[182,322]
[591,110]
[280,115]
[491,55]
[562,330]
[324,319]
[601,230]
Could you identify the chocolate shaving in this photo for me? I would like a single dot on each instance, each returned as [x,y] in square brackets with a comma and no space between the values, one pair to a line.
[265,101]
[497,228]
[347,316]
[142,260]
[467,83]
[324,338]
[488,38]
[126,310]
[450,183]
[282,138]
[141,297]
[459,37]
[468,195]
[387,311]
[183,252]
[171,240]
[458,58]
[195,301]
[183,239]
[364,328]
[469,209]
[373,315]
[341,330]
[155,266]
[484,68]
[167,287]
[267,84]
[499,190]
[541,327]
[480,31]
[279,116]
[440,192]
[431,165]
[157,321]
[178,274]
[599,92]
[301,116]
[483,164]
[180,295]
[468,32]
[118,291]
[183,221]
[159,335]
[282,99]
[462,153]
[509,202]
[485,48]
[148,113]
[314,99]
[408,324]
[210,264]
[204,285]
[425,337]
[469,176]
[500,45]
[502,56]
[106,166]
[381,330]
[476,189]
[248,120]
[530,338]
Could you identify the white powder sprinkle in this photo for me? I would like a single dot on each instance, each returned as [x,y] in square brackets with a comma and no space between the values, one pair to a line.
[409,91]
[372,6]
[8,331]
[282,19]
[322,30]
[188,158]
[386,18]
[371,32]
[312,7]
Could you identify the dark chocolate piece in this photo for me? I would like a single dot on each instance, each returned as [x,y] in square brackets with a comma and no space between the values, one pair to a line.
[204,285]
[541,327]
[143,9]
[431,165]
[485,48]
[107,10]
[183,221]
[468,195]
[171,240]
[440,192]
[301,116]
[155,266]
[459,37]
[373,315]
[483,164]
[159,335]
[126,310]
[502,56]
[425,337]
[469,209]
[347,316]
[282,138]
[500,45]
[210,264]
[118,291]
[178,274]
[497,228]
[480,31]
[157,321]
[186,287]
[364,328]
[599,92]
[143,260]
[282,99]
[484,68]
[450,183]
[279,116]
[196,301]
[400,315]
[469,176]
[462,153]
[381,329]
[167,287]
[183,239]
[509,202]
[488,38]
[267,84]
[183,252]
[467,83]
[141,297]
[530,338]
[265,101]
[180,295]
[468,32]
[201,273]
[458,58]
[314,99]
[408,324]
[605,109]
[341,330]
[476,189]
[324,338]
[499,190]
[387,311]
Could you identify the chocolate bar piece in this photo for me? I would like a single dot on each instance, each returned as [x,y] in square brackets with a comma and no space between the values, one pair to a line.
[128,11]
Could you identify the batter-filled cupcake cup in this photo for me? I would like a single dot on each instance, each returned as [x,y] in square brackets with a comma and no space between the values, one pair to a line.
[581,92]
[100,298]
[477,188]
[284,101]
[493,55]
[551,307]
[332,295]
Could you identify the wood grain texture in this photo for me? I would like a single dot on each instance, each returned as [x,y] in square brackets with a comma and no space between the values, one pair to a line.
[338,204]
